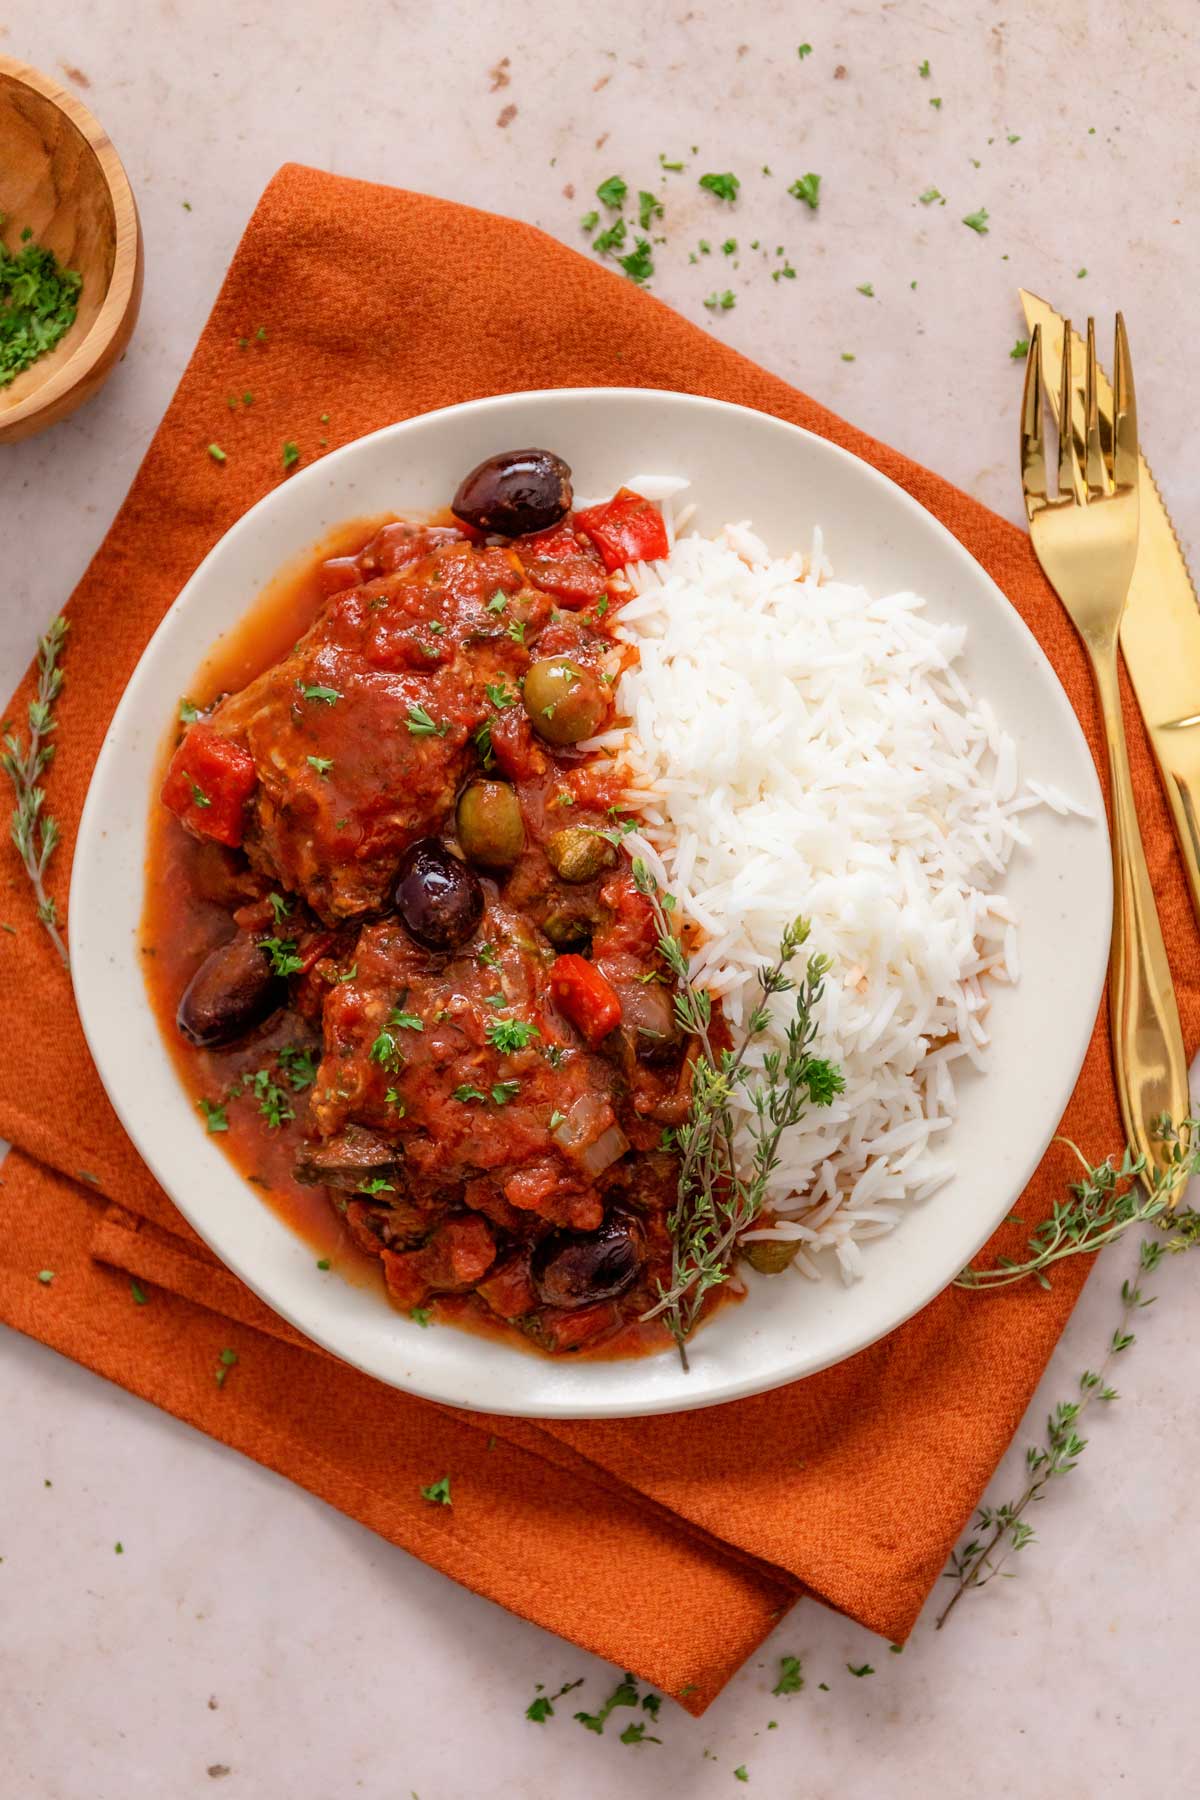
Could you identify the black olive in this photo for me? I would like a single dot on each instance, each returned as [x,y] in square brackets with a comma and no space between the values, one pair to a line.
[438,898]
[231,992]
[573,1268]
[515,492]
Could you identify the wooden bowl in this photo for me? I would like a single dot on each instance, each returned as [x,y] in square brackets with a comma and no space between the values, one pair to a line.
[61,178]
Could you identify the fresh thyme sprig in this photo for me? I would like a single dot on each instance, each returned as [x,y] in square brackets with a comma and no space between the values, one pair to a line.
[34,832]
[716,1201]
[1104,1203]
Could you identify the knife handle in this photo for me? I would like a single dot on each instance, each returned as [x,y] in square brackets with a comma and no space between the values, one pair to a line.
[1147,1039]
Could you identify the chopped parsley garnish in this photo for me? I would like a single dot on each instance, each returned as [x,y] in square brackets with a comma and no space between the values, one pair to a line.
[721,302]
[937,104]
[322,764]
[807,188]
[323,1262]
[326,695]
[865,1669]
[674,167]
[421,725]
[612,238]
[227,1360]
[589,221]
[282,952]
[300,1066]
[786,273]
[556,1055]
[376,1185]
[923,69]
[482,740]
[499,695]
[217,454]
[38,303]
[1079,274]
[867,289]
[725,187]
[498,601]
[1014,137]
[188,713]
[729,247]
[273,1102]
[438,1492]
[611,193]
[348,974]
[849,356]
[487,956]
[556,1119]
[929,196]
[977,221]
[291,455]
[45,1276]
[1020,350]
[199,797]
[421,1315]
[405,1021]
[280,906]
[139,1297]
[739,1774]
[624,1694]
[507,1035]
[392,1099]
[466,1092]
[504,1091]
[516,631]
[635,1733]
[649,208]
[791,1678]
[803,50]
[639,264]
[214,1116]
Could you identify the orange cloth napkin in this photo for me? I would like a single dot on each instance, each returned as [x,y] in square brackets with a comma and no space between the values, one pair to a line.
[670,1546]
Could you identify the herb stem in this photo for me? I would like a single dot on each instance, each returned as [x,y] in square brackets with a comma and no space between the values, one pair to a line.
[34,832]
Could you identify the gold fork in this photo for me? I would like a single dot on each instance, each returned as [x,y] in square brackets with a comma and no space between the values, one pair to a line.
[1086,539]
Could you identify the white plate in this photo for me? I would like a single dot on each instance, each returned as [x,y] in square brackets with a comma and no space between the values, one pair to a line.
[742,464]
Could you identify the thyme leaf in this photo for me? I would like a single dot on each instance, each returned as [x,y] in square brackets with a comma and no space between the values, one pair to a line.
[34,832]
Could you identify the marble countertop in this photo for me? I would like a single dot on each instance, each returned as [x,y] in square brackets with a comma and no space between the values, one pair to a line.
[249,1641]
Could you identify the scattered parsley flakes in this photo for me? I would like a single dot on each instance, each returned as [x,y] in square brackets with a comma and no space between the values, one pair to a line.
[421,725]
[199,797]
[611,238]
[273,1102]
[589,221]
[282,952]
[611,193]
[291,451]
[280,906]
[326,695]
[139,1297]
[217,454]
[674,167]
[848,356]
[322,764]
[937,104]
[624,1694]
[499,695]
[977,221]
[498,601]
[465,1093]
[865,1669]
[791,1676]
[188,713]
[923,69]
[896,1649]
[376,1185]
[438,1492]
[929,196]
[516,631]
[556,1119]
[649,208]
[214,1116]
[1014,137]
[38,304]
[729,247]
[45,1276]
[807,188]
[639,264]
[866,288]
[725,187]
[803,50]
[118,1547]
[721,302]
[504,1091]
[1020,350]
[421,1315]
[1079,274]
[541,1707]
[323,1262]
[635,1733]
[227,1360]
[739,1774]
[507,1035]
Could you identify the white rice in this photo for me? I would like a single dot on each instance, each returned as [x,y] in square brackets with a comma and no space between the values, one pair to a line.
[798,745]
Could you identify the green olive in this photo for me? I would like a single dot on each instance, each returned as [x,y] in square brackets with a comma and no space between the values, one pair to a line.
[567,928]
[771,1256]
[576,853]
[490,828]
[565,703]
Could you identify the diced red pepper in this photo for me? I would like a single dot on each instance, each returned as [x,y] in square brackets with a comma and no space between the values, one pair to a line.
[559,564]
[208,784]
[587,999]
[625,529]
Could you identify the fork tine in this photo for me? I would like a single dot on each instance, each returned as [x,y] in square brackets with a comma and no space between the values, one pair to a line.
[1125,439]
[1096,474]
[1069,479]
[1033,453]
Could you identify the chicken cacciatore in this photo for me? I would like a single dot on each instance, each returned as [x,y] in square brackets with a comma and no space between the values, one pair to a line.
[393,927]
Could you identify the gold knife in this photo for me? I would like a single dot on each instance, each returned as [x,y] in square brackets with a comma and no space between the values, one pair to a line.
[1160,630]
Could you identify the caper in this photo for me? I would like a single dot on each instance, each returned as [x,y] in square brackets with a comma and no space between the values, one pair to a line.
[576,853]
[565,703]
[771,1256]
[490,828]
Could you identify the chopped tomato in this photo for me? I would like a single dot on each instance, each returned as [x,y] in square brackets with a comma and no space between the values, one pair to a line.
[625,529]
[587,999]
[338,574]
[208,784]
[632,927]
